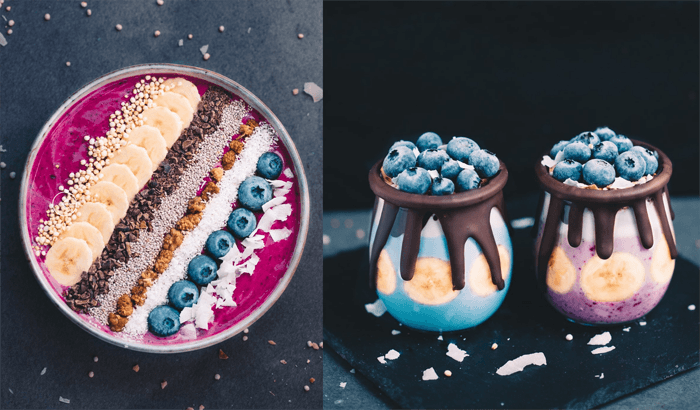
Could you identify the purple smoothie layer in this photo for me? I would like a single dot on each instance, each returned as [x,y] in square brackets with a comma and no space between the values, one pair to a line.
[64,146]
[578,307]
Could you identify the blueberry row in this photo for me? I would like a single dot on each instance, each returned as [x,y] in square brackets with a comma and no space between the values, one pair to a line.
[253,193]
[598,157]
[449,161]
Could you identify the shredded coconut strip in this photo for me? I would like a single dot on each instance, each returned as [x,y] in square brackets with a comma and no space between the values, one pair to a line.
[213,219]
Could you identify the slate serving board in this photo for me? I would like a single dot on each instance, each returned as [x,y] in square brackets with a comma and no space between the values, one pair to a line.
[525,323]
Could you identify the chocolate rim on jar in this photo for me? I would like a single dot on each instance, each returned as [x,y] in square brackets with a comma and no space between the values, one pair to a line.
[604,205]
[463,215]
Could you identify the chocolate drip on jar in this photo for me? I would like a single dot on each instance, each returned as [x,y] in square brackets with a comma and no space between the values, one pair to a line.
[604,205]
[462,215]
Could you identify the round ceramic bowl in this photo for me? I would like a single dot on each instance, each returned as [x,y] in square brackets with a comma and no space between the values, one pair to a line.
[57,152]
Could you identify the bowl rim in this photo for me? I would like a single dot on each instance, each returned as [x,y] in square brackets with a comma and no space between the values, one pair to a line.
[250,99]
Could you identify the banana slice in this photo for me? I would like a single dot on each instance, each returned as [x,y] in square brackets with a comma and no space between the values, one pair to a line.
[97,215]
[386,275]
[431,283]
[150,139]
[136,158]
[661,263]
[167,122]
[113,197]
[121,176]
[480,280]
[186,89]
[614,279]
[91,235]
[178,104]
[561,273]
[67,259]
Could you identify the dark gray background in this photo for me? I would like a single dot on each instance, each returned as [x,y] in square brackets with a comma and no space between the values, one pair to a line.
[269,61]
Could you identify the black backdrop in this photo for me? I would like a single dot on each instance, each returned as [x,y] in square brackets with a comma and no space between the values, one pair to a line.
[514,76]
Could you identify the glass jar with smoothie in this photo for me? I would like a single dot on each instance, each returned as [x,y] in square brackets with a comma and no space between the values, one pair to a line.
[605,248]
[440,252]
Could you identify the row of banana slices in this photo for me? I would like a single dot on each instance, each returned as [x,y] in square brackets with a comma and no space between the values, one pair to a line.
[129,170]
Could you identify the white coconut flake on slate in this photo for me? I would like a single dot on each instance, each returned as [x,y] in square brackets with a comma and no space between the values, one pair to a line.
[62,400]
[43,372]
[691,307]
[440,337]
[392,355]
[429,374]
[288,173]
[456,353]
[204,49]
[343,384]
[395,332]
[601,339]
[180,42]
[3,40]
[522,223]
[280,234]
[518,364]
[381,360]
[600,376]
[377,308]
[212,220]
[11,392]
[602,350]
[314,91]
[642,323]
[626,329]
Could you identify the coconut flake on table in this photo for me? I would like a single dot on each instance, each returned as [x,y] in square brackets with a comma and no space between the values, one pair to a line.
[381,359]
[429,374]
[377,308]
[62,400]
[626,329]
[601,339]
[456,353]
[600,376]
[395,332]
[180,42]
[3,40]
[43,371]
[288,173]
[314,91]
[204,49]
[440,337]
[518,364]
[392,355]
[343,384]
[602,350]
[212,220]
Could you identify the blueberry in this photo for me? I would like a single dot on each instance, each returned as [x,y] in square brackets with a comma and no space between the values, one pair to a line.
[450,169]
[414,180]
[630,165]
[468,179]
[460,148]
[442,186]
[567,169]
[588,138]
[428,140]
[254,192]
[604,133]
[399,159]
[270,165]
[650,158]
[578,151]
[403,143]
[164,321]
[623,143]
[598,172]
[202,269]
[559,146]
[241,222]
[182,294]
[606,151]
[432,159]
[484,162]
[219,243]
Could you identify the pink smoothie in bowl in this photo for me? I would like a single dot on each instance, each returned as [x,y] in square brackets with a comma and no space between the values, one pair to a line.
[266,260]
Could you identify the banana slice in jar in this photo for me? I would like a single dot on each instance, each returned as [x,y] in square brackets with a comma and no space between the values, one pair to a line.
[136,158]
[386,275]
[113,197]
[167,122]
[614,279]
[561,274]
[431,283]
[661,263]
[97,215]
[91,235]
[67,259]
[150,139]
[121,176]
[480,280]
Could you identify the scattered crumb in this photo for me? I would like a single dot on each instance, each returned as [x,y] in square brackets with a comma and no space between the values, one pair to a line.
[159,2]
[600,376]
[11,23]
[642,323]
[395,332]
[136,368]
[246,331]
[95,359]
[295,91]
[156,34]
[204,49]
[61,399]
[190,408]
[248,30]
[245,338]
[83,4]
[217,376]
[201,407]
[9,32]
[89,12]
[448,373]
[206,57]
[343,384]
[377,308]
[326,239]
[602,350]
[314,91]
[3,40]
[626,329]
[312,380]
[43,372]
[180,43]
[11,392]
[308,361]
[601,339]
[8,8]
[518,364]
[222,355]
[456,353]
[300,36]
[569,337]
[440,338]
[691,307]
[12,175]
[392,355]
[272,342]
[429,374]
[47,17]
[314,346]
[381,360]
[309,343]
[189,36]
[221,29]
[118,27]
[494,346]
[67,63]
[163,384]
[283,361]
[321,344]
[91,374]
[352,371]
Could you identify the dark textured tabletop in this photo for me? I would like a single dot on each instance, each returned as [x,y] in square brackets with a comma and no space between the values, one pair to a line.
[44,356]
